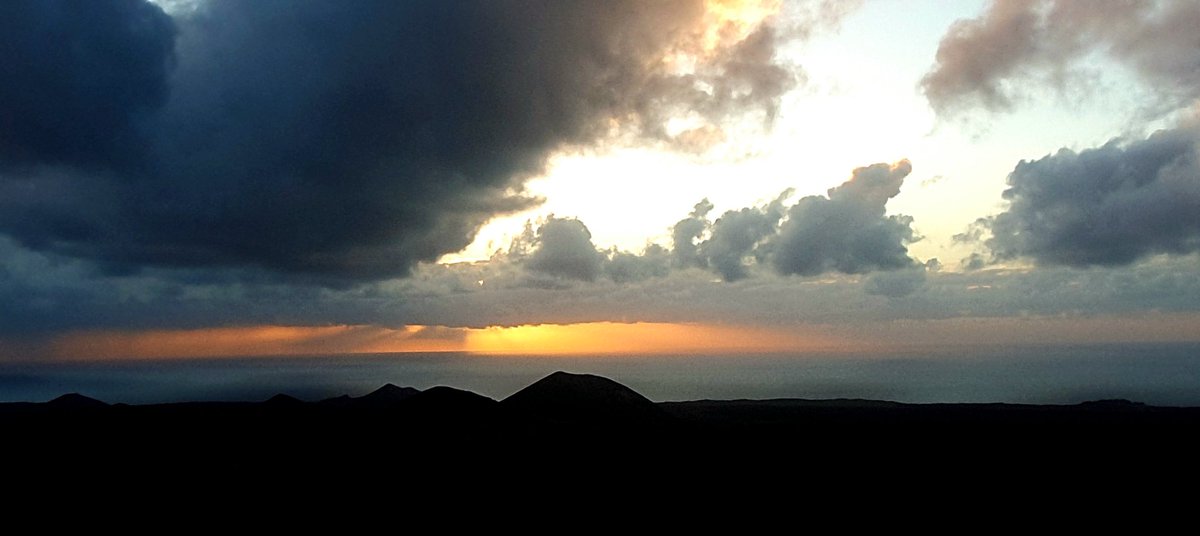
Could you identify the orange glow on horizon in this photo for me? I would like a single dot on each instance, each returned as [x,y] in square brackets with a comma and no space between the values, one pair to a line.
[246,341]
[633,338]
[599,338]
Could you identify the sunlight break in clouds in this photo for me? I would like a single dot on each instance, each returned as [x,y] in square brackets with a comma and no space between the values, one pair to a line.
[597,338]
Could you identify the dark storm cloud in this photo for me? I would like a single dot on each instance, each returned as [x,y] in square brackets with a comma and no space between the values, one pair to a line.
[338,141]
[985,61]
[78,79]
[848,231]
[1110,205]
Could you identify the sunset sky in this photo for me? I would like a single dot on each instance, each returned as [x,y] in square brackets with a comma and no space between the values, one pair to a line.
[204,178]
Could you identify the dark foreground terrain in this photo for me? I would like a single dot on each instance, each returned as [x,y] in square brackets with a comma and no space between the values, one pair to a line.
[581,430]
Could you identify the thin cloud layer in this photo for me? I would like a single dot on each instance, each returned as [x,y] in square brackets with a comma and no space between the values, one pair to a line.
[985,62]
[334,142]
[48,297]
[1111,205]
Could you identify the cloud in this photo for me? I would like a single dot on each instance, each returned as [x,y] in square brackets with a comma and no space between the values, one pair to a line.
[625,267]
[563,248]
[848,231]
[45,296]
[686,235]
[1111,205]
[988,61]
[79,80]
[739,233]
[896,284]
[334,142]
[552,272]
[561,251]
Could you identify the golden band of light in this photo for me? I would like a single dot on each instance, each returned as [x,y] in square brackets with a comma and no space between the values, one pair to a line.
[608,338]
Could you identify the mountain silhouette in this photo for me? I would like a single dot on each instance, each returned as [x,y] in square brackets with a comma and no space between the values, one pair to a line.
[386,397]
[75,401]
[566,397]
[389,394]
[442,399]
[340,401]
[281,400]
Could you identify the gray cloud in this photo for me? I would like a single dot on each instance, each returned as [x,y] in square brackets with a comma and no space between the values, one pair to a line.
[329,142]
[44,295]
[1110,205]
[739,233]
[563,248]
[625,267]
[687,234]
[986,61]
[848,231]
[79,80]
[896,284]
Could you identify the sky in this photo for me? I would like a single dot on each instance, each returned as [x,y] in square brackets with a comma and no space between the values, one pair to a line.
[204,178]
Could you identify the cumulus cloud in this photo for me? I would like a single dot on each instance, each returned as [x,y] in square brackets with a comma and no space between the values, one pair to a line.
[985,61]
[687,234]
[738,234]
[848,231]
[626,267]
[1110,205]
[560,250]
[342,141]
[563,248]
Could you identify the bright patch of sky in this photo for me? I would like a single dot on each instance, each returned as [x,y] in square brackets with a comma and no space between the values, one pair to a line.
[860,104]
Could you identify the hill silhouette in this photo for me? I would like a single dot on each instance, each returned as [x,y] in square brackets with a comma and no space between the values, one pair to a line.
[388,394]
[582,398]
[282,400]
[75,401]
[594,426]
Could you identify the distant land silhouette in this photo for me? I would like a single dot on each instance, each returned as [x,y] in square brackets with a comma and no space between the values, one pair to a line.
[580,420]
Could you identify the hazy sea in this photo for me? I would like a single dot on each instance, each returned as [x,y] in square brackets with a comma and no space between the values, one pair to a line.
[1155,373]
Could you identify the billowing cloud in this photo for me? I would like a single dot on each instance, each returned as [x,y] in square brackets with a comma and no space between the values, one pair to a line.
[687,234]
[1110,205]
[848,231]
[563,248]
[738,234]
[560,251]
[626,267]
[986,61]
[340,141]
